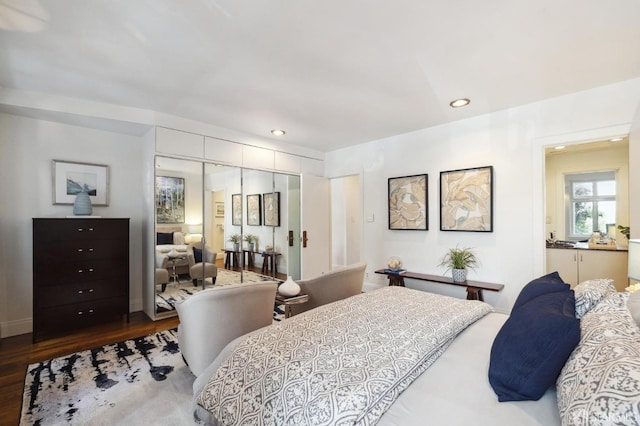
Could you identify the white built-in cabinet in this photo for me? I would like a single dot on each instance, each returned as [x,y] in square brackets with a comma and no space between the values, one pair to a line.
[184,144]
[577,265]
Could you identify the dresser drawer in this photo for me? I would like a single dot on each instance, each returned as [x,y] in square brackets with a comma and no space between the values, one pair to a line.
[55,251]
[62,318]
[80,273]
[49,230]
[56,273]
[58,295]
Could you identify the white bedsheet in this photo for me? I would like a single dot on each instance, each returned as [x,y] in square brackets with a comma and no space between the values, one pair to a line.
[181,249]
[456,390]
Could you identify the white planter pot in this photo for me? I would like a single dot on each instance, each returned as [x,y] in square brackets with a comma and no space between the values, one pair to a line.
[459,275]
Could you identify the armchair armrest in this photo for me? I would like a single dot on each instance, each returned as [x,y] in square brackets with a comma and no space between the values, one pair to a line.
[162,261]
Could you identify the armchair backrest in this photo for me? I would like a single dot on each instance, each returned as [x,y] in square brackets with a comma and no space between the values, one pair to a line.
[209,256]
[337,284]
[212,318]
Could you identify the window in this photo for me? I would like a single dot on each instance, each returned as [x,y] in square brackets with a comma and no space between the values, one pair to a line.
[591,203]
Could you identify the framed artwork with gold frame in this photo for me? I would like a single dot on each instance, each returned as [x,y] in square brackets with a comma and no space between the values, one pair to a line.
[408,206]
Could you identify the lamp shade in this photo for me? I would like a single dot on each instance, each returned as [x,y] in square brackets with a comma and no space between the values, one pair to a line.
[634,259]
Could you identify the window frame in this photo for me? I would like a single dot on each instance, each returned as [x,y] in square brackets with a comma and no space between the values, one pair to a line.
[593,177]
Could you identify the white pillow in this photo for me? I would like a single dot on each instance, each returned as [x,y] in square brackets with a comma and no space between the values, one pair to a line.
[178,238]
[633,304]
[589,293]
[600,382]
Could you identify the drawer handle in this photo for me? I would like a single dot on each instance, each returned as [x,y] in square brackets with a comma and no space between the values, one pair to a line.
[82,291]
[90,249]
[80,229]
[81,250]
[82,313]
[80,271]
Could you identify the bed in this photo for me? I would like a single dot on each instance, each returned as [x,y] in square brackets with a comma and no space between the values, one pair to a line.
[171,240]
[452,382]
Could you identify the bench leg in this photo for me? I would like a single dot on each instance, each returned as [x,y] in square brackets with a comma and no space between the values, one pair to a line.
[474,293]
[395,280]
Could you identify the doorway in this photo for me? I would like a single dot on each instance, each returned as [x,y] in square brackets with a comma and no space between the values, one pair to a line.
[346,220]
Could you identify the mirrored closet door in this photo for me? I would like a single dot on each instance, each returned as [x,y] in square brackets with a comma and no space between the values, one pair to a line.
[222,225]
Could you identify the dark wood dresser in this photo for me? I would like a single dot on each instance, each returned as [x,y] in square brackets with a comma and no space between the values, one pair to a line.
[80,273]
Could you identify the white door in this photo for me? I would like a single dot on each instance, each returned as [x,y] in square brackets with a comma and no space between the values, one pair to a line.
[316,225]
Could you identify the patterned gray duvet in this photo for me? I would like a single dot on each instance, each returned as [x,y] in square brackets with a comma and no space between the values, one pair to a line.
[340,364]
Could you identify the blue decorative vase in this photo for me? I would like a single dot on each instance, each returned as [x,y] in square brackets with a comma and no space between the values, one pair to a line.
[82,204]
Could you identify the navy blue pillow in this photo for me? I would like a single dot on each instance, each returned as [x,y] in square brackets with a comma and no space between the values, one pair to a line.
[549,283]
[197,255]
[532,346]
[164,238]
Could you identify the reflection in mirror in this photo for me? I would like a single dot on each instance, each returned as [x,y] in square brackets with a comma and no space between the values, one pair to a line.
[293,227]
[219,225]
[178,205]
[258,190]
[223,220]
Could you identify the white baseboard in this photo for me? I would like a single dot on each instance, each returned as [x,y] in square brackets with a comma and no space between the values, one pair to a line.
[16,327]
[370,286]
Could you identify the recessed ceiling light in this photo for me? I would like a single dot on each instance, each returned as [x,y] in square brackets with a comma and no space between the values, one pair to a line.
[277,132]
[616,139]
[559,147]
[459,103]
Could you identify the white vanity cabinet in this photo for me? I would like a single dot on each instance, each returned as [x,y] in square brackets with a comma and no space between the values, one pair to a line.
[577,265]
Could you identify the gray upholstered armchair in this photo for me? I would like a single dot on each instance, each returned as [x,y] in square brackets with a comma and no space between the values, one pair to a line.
[162,274]
[214,317]
[337,284]
[204,266]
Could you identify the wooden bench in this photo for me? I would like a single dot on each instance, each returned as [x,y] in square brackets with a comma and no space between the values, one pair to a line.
[474,288]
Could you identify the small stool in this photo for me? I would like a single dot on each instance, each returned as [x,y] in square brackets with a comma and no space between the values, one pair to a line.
[269,258]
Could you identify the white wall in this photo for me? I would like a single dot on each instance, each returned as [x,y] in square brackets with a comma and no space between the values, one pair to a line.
[512,141]
[346,220]
[27,147]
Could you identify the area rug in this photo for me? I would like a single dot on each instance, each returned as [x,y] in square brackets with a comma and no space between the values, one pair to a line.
[166,300]
[143,381]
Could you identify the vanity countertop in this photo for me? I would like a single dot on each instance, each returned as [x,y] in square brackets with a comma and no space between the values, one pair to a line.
[585,246]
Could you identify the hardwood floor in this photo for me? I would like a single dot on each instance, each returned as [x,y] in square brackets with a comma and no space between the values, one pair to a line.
[17,352]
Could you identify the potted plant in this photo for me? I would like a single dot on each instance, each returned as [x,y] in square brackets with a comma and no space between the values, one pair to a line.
[235,239]
[250,239]
[458,260]
[624,230]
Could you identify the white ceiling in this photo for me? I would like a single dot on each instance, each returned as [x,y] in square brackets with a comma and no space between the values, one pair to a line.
[332,73]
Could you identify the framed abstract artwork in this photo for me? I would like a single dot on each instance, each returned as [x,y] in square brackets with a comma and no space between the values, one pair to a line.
[169,199]
[236,209]
[408,208]
[466,200]
[271,201]
[69,178]
[254,210]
